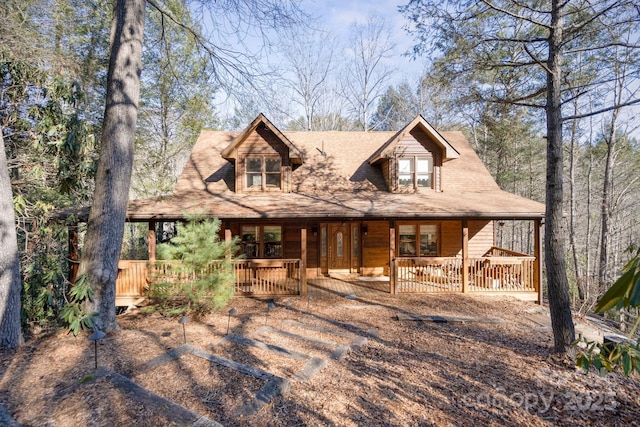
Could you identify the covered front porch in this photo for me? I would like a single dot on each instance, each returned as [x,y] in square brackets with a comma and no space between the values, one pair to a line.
[499,272]
[375,257]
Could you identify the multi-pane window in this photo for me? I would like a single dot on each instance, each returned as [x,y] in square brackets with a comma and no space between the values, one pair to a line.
[261,241]
[415,172]
[418,239]
[263,172]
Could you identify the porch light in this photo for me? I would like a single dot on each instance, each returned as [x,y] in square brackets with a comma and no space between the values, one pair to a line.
[184,320]
[95,337]
[365,229]
[314,230]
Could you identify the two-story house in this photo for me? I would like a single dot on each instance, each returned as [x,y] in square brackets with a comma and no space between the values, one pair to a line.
[415,206]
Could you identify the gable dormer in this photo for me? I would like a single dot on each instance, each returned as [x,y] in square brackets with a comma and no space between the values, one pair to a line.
[412,159]
[263,157]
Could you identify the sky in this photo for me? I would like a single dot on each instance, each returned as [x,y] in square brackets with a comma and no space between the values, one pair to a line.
[340,14]
[337,16]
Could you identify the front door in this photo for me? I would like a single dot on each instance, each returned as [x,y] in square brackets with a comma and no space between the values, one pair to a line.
[339,247]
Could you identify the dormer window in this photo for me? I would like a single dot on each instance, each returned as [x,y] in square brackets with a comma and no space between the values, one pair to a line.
[263,172]
[415,172]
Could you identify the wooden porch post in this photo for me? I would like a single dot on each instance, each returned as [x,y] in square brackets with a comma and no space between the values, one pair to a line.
[152,241]
[537,252]
[227,238]
[392,255]
[73,252]
[303,260]
[465,256]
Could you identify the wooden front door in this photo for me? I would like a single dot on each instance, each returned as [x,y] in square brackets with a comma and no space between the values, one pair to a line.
[339,247]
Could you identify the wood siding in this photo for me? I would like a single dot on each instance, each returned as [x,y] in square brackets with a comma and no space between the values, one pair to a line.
[489,269]
[388,172]
[423,140]
[290,239]
[480,238]
[375,248]
[263,142]
[292,248]
[416,143]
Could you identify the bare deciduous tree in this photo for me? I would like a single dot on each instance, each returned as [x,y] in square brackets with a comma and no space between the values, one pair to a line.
[311,57]
[366,72]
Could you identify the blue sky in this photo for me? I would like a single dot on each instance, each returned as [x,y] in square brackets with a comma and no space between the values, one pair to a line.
[337,17]
[340,14]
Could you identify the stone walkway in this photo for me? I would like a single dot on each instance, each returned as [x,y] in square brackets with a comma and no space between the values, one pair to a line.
[274,385]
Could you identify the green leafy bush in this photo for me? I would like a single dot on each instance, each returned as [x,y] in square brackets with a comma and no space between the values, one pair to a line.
[608,357]
[624,356]
[74,313]
[201,279]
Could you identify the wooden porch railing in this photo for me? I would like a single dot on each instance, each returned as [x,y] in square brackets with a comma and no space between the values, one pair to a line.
[267,276]
[252,277]
[502,274]
[505,271]
[132,281]
[441,274]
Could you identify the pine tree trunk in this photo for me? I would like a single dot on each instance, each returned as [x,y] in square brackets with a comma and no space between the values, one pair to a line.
[113,178]
[572,210]
[605,212]
[558,285]
[10,333]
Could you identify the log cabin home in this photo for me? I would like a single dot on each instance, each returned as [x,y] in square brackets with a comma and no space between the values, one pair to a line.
[415,209]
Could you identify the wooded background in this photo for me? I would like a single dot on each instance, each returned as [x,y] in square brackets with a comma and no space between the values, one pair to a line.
[199,73]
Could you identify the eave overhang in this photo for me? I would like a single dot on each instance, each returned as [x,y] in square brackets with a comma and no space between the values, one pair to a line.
[386,151]
[229,153]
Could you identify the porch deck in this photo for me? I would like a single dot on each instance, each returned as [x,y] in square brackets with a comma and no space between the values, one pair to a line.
[380,286]
[499,272]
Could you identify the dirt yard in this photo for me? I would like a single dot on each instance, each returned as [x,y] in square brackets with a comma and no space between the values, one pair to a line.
[369,368]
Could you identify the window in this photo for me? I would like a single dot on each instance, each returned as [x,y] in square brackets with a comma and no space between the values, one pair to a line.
[262,172]
[261,241]
[418,239]
[272,241]
[323,242]
[415,172]
[355,241]
[407,236]
[339,245]
[428,240]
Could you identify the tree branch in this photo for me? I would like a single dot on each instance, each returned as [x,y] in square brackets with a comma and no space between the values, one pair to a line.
[515,15]
[603,110]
